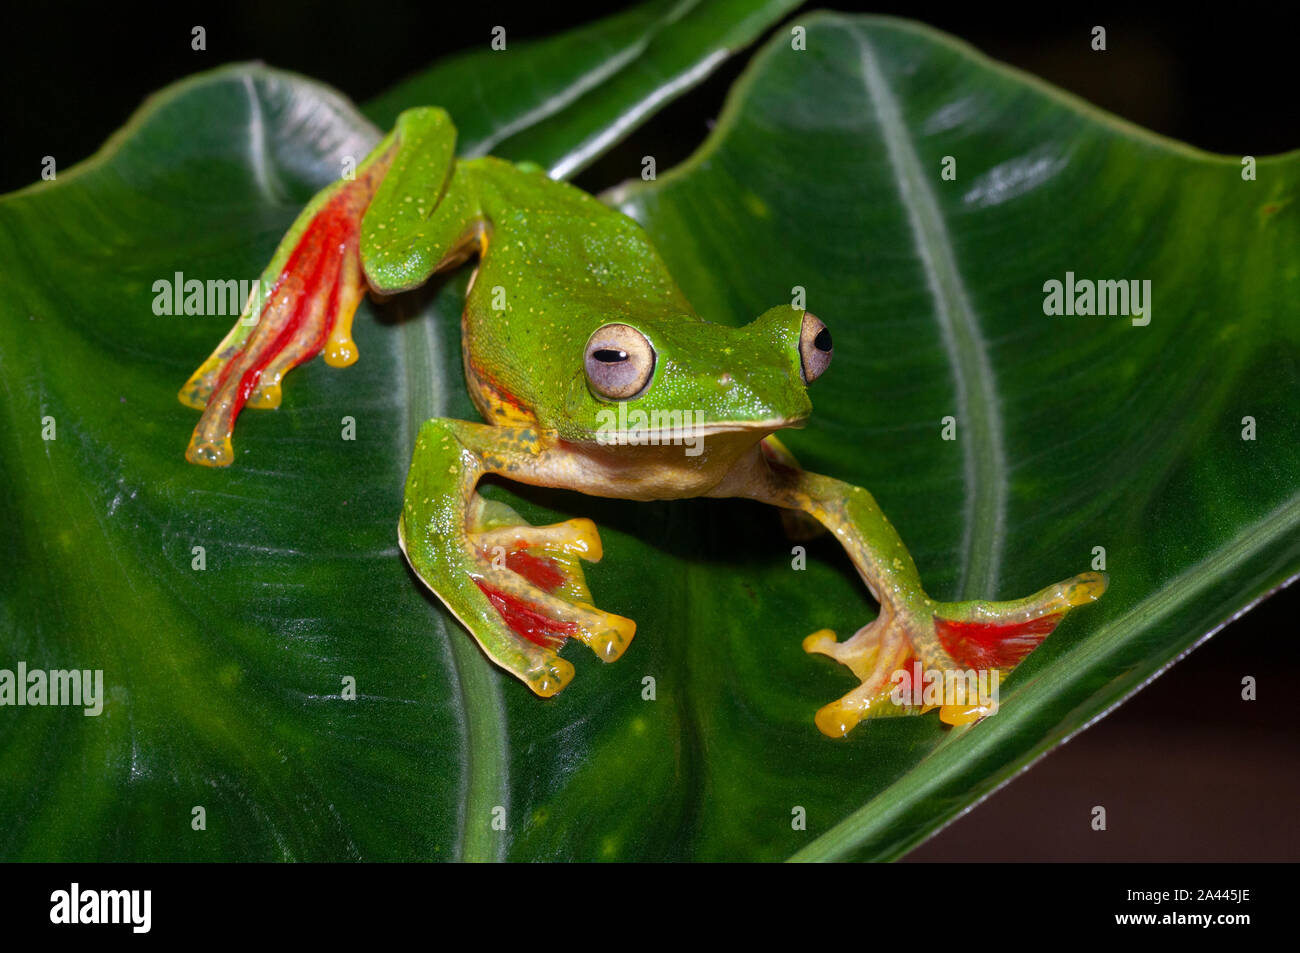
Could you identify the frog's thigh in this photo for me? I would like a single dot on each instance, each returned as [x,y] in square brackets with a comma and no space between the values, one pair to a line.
[519,589]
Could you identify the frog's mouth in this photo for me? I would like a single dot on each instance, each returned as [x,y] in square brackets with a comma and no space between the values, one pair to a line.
[739,426]
[699,430]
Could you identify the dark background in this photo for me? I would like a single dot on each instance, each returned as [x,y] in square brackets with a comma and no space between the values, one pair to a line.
[1184,770]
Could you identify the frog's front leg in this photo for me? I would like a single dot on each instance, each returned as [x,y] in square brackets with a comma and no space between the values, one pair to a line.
[986,639]
[518,588]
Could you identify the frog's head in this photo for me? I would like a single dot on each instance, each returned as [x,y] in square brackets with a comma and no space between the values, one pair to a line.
[717,379]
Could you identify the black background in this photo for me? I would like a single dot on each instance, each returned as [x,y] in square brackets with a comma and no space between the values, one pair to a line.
[1186,770]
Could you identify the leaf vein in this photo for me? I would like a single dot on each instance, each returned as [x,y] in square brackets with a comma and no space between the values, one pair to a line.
[978,411]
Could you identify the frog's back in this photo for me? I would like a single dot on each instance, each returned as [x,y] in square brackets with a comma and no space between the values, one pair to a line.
[556,265]
[557,239]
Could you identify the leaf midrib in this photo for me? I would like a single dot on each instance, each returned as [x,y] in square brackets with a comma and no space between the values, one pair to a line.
[568,95]
[978,414]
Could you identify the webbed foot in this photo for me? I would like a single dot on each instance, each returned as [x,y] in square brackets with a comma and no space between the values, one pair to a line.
[312,287]
[534,577]
[533,580]
[946,655]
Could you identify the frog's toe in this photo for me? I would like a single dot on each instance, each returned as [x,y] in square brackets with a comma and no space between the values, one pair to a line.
[198,389]
[210,451]
[309,310]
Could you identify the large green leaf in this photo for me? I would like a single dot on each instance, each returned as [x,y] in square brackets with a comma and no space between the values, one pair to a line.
[598,83]
[224,685]
[1074,432]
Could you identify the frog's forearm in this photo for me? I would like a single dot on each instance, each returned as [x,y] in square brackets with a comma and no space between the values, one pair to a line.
[848,511]
[976,636]
[519,589]
[434,534]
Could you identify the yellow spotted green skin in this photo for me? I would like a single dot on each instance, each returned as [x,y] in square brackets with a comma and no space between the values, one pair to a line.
[567,295]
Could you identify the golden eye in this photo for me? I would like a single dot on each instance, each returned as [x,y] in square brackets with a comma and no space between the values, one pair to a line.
[619,362]
[815,347]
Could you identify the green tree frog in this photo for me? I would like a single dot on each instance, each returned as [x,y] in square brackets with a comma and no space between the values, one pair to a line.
[590,369]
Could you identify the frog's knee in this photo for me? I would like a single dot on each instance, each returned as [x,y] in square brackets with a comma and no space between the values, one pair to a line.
[424,117]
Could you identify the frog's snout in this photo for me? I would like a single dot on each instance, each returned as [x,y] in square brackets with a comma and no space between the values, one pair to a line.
[802,335]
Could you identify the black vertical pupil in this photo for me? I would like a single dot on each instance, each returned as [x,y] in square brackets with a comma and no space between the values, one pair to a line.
[609,355]
[823,340]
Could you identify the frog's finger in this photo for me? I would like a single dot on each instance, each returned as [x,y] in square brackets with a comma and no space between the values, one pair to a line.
[857,653]
[874,695]
[519,640]
[576,537]
[948,655]
[538,567]
[998,635]
[535,613]
[519,589]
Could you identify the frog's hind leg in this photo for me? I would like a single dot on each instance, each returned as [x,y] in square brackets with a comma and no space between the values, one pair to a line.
[313,287]
[386,229]
[309,308]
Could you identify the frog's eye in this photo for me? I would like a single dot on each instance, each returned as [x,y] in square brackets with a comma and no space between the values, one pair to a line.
[619,361]
[814,347]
